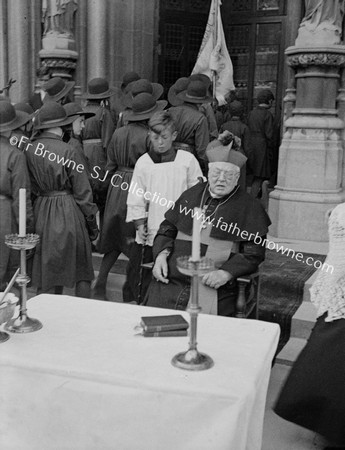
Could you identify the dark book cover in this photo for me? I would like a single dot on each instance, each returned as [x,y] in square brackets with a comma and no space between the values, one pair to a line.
[165,333]
[164,323]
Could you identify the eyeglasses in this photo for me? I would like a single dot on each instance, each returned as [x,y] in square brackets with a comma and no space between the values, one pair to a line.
[229,175]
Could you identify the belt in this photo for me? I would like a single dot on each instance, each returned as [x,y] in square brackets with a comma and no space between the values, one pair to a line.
[125,169]
[92,141]
[184,146]
[54,193]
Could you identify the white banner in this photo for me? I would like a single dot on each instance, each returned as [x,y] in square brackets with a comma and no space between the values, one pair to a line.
[213,58]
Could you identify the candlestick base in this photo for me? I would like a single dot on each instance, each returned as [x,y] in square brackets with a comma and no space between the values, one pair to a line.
[192,360]
[23,324]
[4,336]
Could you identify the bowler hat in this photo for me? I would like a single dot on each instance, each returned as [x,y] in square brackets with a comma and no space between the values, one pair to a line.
[196,92]
[52,115]
[140,86]
[97,89]
[56,88]
[73,109]
[179,86]
[144,106]
[128,78]
[10,119]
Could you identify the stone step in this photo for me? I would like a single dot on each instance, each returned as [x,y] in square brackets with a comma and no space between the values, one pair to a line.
[290,352]
[303,321]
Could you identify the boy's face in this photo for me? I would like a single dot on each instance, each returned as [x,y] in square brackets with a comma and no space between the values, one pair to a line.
[163,141]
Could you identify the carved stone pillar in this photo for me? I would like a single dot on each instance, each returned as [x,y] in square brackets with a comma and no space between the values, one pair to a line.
[310,174]
[58,42]
[96,39]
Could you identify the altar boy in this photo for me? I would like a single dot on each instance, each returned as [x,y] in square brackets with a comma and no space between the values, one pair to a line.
[161,175]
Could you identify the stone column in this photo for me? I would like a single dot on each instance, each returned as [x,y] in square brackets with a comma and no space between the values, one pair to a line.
[96,38]
[18,28]
[310,173]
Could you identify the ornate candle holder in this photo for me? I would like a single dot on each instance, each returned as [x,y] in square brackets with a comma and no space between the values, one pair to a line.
[23,323]
[192,359]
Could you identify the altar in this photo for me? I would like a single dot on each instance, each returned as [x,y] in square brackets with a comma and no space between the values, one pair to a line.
[86,381]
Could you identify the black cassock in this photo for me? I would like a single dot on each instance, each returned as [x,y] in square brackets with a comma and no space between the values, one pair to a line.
[239,209]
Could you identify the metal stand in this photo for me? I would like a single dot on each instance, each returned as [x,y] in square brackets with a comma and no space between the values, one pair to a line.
[192,359]
[23,323]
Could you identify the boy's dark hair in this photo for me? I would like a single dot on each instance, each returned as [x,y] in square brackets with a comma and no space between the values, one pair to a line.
[160,121]
[265,96]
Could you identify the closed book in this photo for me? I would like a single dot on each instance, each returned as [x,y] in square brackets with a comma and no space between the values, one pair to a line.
[165,333]
[164,323]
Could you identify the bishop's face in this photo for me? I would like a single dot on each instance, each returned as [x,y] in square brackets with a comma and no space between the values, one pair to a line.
[223,178]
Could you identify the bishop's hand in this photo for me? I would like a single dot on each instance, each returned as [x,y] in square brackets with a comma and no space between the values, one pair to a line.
[216,278]
[160,269]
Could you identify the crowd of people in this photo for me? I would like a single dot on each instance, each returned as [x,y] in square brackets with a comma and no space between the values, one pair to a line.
[101,174]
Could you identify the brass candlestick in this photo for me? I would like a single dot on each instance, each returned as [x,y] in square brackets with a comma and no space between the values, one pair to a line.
[23,323]
[192,359]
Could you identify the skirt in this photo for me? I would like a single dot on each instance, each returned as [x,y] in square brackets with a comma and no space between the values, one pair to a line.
[314,393]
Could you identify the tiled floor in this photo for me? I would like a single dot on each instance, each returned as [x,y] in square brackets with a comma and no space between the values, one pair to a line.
[278,434]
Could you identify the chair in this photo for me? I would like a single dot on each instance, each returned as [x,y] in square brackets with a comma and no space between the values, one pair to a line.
[247,302]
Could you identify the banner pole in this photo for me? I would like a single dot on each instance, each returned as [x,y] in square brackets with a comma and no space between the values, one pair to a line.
[215,36]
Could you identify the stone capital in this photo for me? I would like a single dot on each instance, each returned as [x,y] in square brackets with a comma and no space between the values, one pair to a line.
[316,56]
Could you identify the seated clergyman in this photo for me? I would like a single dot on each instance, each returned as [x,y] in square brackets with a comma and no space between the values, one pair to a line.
[234,226]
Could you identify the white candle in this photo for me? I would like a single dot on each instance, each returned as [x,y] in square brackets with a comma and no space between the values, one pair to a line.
[196,234]
[22,212]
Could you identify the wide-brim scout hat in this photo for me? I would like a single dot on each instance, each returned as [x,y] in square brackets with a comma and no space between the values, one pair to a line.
[201,77]
[144,106]
[56,88]
[141,86]
[196,92]
[52,115]
[224,154]
[180,85]
[25,108]
[73,109]
[10,119]
[128,79]
[98,89]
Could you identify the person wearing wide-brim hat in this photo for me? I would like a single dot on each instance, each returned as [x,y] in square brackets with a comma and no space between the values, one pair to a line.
[127,145]
[133,89]
[13,176]
[26,128]
[72,132]
[191,124]
[96,137]
[65,214]
[140,86]
[206,108]
[57,90]
[128,78]
[98,89]
[180,85]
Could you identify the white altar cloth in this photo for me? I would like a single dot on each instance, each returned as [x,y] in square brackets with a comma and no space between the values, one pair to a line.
[85,381]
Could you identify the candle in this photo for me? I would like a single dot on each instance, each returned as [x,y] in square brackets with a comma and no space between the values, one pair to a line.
[22,212]
[196,234]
